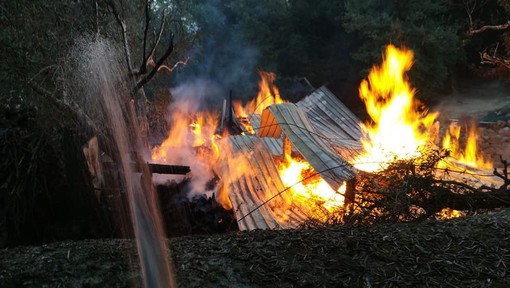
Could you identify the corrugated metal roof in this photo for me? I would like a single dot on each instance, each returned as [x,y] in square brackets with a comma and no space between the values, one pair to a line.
[334,121]
[329,115]
[325,132]
[273,144]
[254,185]
[251,176]
[294,123]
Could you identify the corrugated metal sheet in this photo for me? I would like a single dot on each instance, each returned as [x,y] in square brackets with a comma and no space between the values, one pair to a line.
[325,132]
[294,123]
[273,144]
[251,179]
[334,121]
[313,129]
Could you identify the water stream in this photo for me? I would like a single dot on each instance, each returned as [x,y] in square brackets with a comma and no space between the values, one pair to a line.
[108,100]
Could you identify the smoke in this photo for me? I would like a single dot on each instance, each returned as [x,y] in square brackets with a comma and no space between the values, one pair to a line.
[222,56]
[190,139]
[221,62]
[195,95]
[101,88]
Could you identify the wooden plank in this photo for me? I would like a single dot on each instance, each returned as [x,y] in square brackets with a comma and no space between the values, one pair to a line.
[168,169]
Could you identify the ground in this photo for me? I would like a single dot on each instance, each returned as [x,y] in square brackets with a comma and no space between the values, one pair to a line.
[466,252]
[478,101]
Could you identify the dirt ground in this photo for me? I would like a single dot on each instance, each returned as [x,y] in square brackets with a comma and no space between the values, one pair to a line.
[477,101]
[464,252]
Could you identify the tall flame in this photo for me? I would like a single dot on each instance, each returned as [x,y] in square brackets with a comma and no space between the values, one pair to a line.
[191,141]
[268,93]
[470,156]
[399,128]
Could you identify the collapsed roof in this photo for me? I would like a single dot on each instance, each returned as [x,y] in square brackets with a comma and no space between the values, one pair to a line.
[319,127]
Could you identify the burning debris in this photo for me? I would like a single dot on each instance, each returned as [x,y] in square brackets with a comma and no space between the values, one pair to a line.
[280,164]
[400,129]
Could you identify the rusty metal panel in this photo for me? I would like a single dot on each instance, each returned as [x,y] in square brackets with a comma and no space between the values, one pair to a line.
[297,127]
[255,193]
[273,144]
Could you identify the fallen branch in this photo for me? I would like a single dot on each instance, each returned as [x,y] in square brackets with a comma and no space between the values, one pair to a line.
[494,60]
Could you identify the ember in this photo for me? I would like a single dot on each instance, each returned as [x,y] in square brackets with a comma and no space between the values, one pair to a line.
[307,187]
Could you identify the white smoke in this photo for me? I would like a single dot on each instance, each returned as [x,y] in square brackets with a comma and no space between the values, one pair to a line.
[180,147]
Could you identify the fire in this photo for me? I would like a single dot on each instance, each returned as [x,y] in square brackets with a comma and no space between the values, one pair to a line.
[399,129]
[470,156]
[268,94]
[448,213]
[243,117]
[191,141]
[192,132]
[307,187]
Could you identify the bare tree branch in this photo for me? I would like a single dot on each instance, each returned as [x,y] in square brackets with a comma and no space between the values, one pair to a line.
[177,64]
[147,78]
[504,26]
[158,39]
[504,174]
[471,6]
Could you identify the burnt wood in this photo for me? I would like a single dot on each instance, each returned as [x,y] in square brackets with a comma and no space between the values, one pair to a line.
[168,169]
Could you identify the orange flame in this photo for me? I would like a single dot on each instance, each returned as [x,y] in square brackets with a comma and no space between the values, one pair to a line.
[188,131]
[190,142]
[268,94]
[470,156]
[307,188]
[399,128]
[448,213]
[243,116]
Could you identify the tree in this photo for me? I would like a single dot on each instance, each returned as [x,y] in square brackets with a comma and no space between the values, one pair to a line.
[487,29]
[49,187]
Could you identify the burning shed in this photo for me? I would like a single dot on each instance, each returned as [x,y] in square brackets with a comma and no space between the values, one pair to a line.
[279,164]
[305,141]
